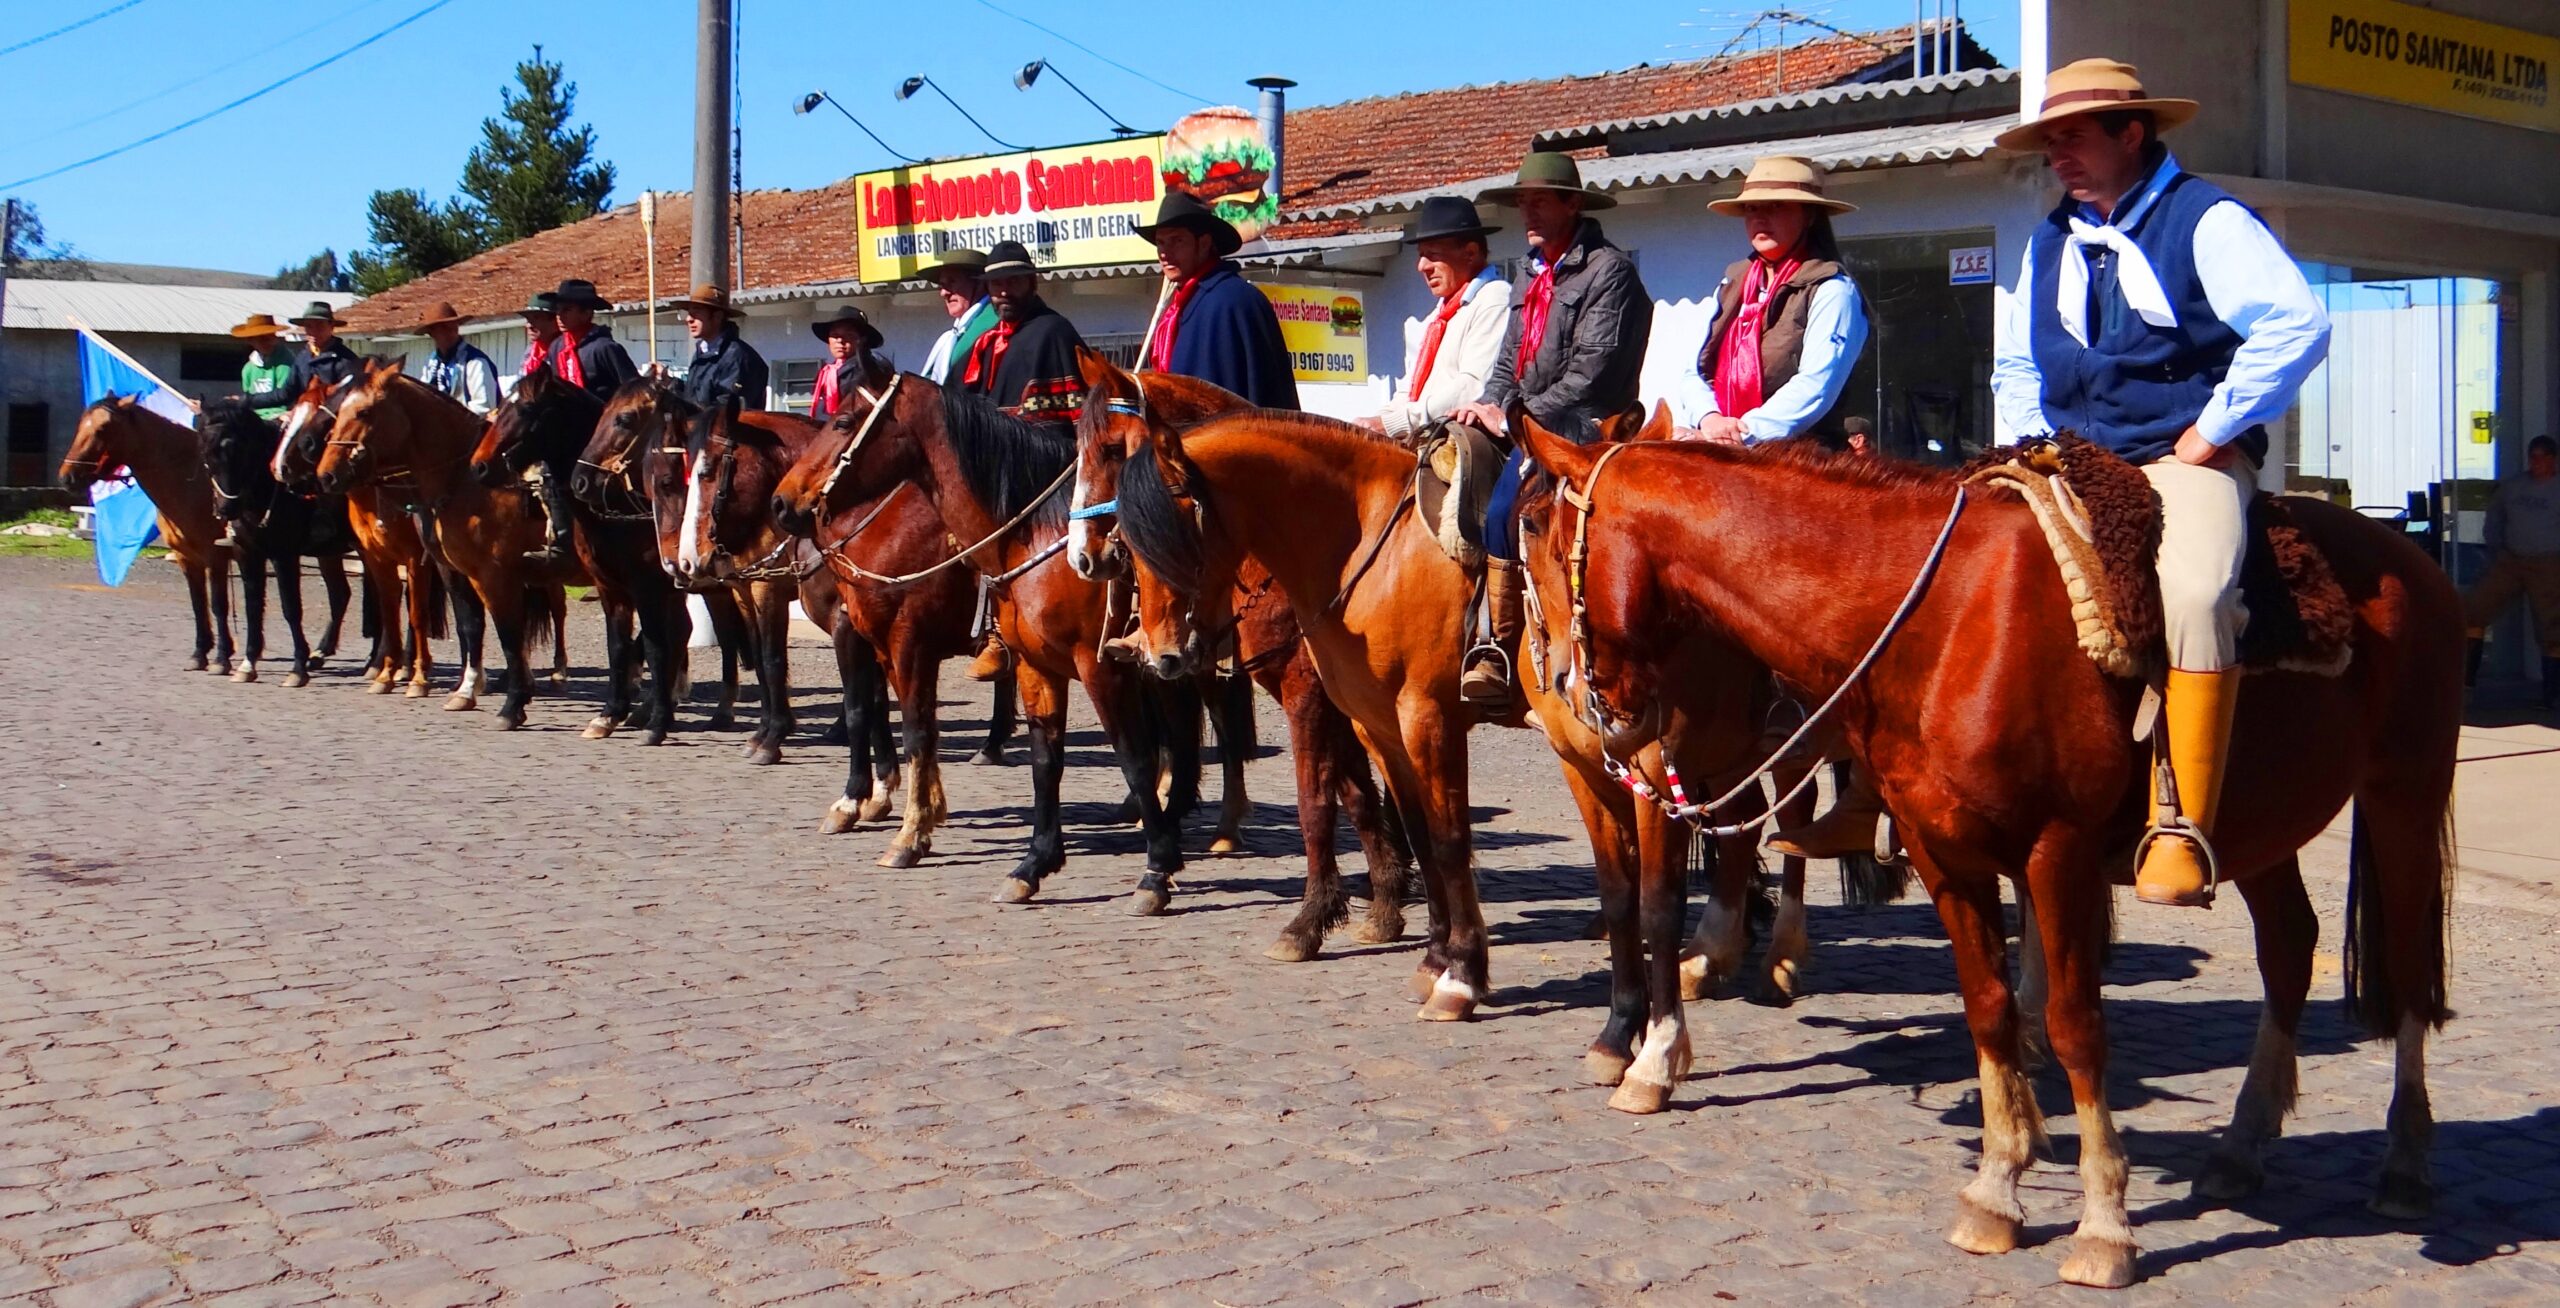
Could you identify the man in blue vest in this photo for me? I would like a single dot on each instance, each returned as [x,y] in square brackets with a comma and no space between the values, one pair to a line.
[2161,318]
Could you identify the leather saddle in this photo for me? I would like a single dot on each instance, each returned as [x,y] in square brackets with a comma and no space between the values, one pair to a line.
[2102,520]
[1453,474]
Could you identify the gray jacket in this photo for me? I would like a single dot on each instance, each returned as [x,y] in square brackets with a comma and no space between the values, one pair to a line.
[1587,366]
[2525,518]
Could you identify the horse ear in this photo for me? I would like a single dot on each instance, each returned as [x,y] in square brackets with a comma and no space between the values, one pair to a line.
[1658,427]
[1171,459]
[393,367]
[1095,369]
[1554,453]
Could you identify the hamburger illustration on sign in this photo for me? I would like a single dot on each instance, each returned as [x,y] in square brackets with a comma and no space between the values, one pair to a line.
[1219,157]
[1347,316]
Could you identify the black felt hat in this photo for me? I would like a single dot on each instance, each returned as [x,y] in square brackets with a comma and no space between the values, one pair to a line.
[1183,209]
[870,334]
[1009,259]
[1447,215]
[578,290]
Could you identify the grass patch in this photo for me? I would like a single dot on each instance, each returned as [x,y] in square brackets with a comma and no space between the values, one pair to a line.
[22,546]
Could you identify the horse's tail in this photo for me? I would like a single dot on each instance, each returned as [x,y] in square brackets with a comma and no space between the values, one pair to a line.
[543,605]
[430,580]
[1866,883]
[368,612]
[2398,950]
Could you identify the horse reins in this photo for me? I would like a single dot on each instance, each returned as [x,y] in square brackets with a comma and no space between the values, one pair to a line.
[1594,711]
[844,459]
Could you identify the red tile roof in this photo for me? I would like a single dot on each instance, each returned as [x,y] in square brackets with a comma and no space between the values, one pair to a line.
[1336,154]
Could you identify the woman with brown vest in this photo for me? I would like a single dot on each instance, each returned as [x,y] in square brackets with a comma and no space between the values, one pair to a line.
[1789,323]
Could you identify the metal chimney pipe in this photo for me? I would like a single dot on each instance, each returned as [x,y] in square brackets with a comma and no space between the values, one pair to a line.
[1272,116]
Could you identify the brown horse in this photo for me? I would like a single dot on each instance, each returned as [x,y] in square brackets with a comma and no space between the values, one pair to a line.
[387,425]
[2004,752]
[401,574]
[273,530]
[167,462]
[710,478]
[998,484]
[1332,768]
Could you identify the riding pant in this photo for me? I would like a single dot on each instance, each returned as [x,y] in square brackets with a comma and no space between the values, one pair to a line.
[1502,511]
[2204,515]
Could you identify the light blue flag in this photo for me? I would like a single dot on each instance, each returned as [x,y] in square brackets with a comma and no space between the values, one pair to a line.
[126,520]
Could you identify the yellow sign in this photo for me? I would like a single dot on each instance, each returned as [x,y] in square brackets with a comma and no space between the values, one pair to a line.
[2386,50]
[1326,330]
[1074,206]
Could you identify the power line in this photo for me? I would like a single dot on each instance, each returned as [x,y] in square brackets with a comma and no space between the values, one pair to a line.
[1196,99]
[108,12]
[264,49]
[226,108]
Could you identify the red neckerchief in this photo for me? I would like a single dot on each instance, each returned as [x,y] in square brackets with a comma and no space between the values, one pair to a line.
[1160,341]
[1431,334]
[988,352]
[534,353]
[823,396]
[1533,316]
[564,360]
[1738,377]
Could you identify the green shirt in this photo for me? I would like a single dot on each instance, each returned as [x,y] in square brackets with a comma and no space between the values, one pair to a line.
[259,375]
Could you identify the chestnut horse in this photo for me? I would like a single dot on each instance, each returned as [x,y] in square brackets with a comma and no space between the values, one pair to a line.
[387,424]
[401,574]
[2002,751]
[1332,767]
[545,417]
[167,463]
[998,484]
[710,478]
[275,529]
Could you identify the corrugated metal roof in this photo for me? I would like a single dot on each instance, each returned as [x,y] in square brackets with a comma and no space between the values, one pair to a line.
[126,307]
[1594,133]
[1883,147]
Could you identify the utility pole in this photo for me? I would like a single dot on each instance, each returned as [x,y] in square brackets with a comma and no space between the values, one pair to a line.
[712,76]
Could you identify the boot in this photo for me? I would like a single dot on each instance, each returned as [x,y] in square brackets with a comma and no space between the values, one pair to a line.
[555,517]
[1120,601]
[991,659]
[1487,680]
[1848,828]
[2471,662]
[2197,717]
[2550,682]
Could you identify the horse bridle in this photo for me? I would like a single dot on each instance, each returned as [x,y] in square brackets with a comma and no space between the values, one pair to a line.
[618,476]
[844,459]
[1595,712]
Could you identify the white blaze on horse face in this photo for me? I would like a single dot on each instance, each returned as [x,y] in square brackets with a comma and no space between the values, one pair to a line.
[1081,552]
[292,427]
[689,542]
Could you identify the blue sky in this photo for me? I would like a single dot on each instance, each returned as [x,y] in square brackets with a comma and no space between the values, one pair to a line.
[281,178]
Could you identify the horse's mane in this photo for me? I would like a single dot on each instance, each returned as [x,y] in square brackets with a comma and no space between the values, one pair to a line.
[1007,461]
[1190,399]
[1163,534]
[454,408]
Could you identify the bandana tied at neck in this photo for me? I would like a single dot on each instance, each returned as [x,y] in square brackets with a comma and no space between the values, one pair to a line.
[1738,375]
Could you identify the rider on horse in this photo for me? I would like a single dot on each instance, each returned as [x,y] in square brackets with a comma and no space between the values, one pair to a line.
[1026,363]
[321,355]
[1447,362]
[724,366]
[959,278]
[2159,317]
[1213,326]
[584,355]
[456,366]
[1571,356]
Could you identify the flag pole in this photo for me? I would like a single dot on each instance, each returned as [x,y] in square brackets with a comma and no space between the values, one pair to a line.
[649,238]
[129,361]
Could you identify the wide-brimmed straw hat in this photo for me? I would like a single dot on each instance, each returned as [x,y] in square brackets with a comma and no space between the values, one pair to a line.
[1447,215]
[1183,209]
[578,290]
[1546,170]
[2093,86]
[318,311]
[870,335]
[708,296]
[1009,259]
[1782,179]
[257,325]
[442,315]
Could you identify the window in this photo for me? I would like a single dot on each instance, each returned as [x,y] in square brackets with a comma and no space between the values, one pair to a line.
[795,381]
[30,428]
[211,363]
[1121,348]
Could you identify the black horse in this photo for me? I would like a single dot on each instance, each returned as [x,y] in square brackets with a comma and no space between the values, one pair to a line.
[275,529]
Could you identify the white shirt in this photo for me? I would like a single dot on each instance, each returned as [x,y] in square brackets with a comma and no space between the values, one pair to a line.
[1835,331]
[1468,346]
[2255,289]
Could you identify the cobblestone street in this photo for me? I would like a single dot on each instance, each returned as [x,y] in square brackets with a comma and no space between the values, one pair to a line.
[308,995]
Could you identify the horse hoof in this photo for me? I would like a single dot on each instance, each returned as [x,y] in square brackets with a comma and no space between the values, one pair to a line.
[904,856]
[872,809]
[2228,1179]
[1771,993]
[319,660]
[1447,1006]
[196,664]
[1426,978]
[295,680]
[764,756]
[1605,1066]
[2402,1198]
[416,690]
[379,688]
[654,736]
[1979,1232]
[1379,930]
[1290,949]
[1226,845]
[990,757]
[838,820]
[1147,901]
[723,720]
[1696,982]
[2100,1264]
[510,721]
[1016,890]
[244,674]
[1642,1098]
[460,703]
[1597,928]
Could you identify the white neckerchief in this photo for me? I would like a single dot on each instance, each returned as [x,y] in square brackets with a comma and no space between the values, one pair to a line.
[2134,277]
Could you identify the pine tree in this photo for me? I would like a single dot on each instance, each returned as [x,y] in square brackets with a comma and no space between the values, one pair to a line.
[531,173]
[320,272]
[413,236]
